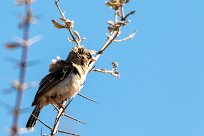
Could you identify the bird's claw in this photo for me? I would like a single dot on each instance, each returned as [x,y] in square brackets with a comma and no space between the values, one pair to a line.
[62,106]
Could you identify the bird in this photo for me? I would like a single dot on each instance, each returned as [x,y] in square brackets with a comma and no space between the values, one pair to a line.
[64,80]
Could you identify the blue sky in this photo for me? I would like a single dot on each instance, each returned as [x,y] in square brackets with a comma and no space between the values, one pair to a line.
[160,92]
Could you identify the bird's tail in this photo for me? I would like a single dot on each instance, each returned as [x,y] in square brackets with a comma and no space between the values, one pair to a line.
[33,117]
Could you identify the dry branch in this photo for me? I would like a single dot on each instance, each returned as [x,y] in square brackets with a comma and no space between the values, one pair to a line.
[67,24]
[90,99]
[114,29]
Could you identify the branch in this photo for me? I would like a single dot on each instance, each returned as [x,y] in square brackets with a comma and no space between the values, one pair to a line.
[68,24]
[64,132]
[114,33]
[129,37]
[74,118]
[59,115]
[42,122]
[131,13]
[105,71]
[26,30]
[56,108]
[114,72]
[83,96]
[52,128]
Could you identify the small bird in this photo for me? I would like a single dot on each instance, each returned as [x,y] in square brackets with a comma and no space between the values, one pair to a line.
[64,81]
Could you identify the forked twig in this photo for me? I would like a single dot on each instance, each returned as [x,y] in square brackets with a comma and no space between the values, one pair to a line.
[56,108]
[57,119]
[67,23]
[52,128]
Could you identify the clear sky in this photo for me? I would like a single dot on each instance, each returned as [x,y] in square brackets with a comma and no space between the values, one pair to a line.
[161,89]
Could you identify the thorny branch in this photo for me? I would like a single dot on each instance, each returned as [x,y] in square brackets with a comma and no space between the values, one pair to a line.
[60,131]
[114,28]
[23,62]
[23,43]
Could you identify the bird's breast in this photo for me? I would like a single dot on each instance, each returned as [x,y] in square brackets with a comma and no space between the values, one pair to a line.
[67,88]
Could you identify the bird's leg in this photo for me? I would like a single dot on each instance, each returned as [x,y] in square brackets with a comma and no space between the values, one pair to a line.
[54,102]
[62,105]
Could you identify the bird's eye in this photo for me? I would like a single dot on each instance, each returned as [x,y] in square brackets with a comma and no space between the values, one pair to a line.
[89,56]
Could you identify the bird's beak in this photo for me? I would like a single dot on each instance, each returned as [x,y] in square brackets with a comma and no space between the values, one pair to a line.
[93,59]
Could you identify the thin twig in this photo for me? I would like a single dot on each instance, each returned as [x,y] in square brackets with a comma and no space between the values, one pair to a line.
[42,122]
[64,132]
[90,99]
[112,72]
[56,108]
[129,37]
[111,38]
[56,3]
[131,13]
[41,133]
[74,118]
[121,10]
[52,128]
[66,22]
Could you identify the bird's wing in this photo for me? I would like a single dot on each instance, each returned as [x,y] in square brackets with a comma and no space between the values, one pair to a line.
[55,76]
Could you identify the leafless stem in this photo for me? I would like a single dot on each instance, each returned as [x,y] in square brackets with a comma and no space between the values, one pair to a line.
[116,16]
[111,72]
[131,13]
[68,116]
[83,96]
[112,37]
[56,3]
[52,128]
[121,10]
[64,132]
[26,26]
[129,37]
[42,122]
[66,21]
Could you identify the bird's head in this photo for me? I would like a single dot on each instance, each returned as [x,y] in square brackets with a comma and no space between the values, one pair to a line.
[81,56]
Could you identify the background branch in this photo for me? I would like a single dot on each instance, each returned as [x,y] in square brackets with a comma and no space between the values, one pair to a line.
[23,64]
